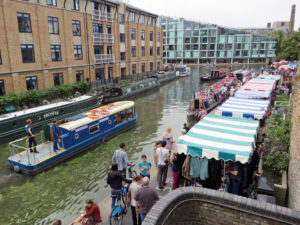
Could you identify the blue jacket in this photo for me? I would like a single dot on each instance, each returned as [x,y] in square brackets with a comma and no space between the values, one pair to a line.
[54,130]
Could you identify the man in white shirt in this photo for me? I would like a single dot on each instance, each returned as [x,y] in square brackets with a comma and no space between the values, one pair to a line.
[120,157]
[163,156]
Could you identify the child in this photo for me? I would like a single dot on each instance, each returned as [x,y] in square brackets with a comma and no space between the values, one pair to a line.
[144,166]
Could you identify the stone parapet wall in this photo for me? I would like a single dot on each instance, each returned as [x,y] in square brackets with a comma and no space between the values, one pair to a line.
[294,164]
[187,206]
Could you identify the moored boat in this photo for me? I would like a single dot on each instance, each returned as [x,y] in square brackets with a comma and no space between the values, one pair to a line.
[183,70]
[76,134]
[215,75]
[165,76]
[242,75]
[120,93]
[12,124]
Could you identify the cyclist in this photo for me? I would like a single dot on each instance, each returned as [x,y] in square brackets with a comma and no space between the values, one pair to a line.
[114,179]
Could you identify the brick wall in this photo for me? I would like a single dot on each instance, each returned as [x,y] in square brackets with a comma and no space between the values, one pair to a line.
[294,165]
[195,206]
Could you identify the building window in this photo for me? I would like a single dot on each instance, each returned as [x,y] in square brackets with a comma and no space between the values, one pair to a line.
[151,21]
[77,52]
[24,22]
[151,66]
[123,56]
[151,36]
[121,18]
[158,51]
[51,2]
[151,50]
[132,34]
[110,74]
[158,37]
[58,79]
[27,53]
[143,67]
[2,88]
[75,5]
[98,50]
[31,83]
[108,29]
[96,5]
[109,50]
[158,66]
[53,25]
[143,50]
[100,75]
[79,76]
[55,52]
[122,37]
[133,51]
[133,68]
[143,35]
[132,17]
[76,28]
[142,19]
[97,28]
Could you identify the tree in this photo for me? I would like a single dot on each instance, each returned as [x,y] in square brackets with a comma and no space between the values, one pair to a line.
[290,47]
[280,36]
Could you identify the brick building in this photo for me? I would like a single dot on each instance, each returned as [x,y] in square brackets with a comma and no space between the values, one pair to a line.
[44,43]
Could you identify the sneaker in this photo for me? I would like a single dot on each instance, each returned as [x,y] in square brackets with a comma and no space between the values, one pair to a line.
[161,188]
[35,151]
[31,150]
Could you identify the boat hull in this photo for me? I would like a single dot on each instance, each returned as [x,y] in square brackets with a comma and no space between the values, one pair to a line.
[211,78]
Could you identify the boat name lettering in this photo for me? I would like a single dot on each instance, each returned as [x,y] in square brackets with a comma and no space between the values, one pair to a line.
[81,128]
[54,113]
[104,119]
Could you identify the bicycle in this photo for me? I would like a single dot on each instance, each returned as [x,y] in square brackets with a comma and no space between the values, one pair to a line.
[131,172]
[117,213]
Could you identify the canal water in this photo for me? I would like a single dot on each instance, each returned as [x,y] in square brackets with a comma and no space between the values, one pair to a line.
[60,192]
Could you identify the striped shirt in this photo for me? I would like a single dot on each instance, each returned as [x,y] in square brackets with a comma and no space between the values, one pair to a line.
[120,157]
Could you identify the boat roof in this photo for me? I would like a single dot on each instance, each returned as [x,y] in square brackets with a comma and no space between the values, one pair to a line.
[43,107]
[112,108]
[241,71]
[138,83]
[220,137]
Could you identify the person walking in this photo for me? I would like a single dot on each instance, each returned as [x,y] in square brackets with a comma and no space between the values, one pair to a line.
[55,135]
[133,188]
[163,155]
[91,216]
[144,166]
[168,137]
[114,179]
[30,133]
[145,198]
[175,172]
[121,159]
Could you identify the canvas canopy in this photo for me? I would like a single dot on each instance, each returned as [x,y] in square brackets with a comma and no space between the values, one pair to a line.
[220,137]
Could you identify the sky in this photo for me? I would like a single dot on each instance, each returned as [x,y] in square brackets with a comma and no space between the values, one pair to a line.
[229,13]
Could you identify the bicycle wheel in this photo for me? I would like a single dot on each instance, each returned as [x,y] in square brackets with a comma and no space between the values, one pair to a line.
[116,220]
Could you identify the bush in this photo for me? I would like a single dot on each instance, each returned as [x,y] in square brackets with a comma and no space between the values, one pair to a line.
[29,97]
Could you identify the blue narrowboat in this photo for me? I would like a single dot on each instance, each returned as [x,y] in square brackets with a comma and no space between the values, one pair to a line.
[76,133]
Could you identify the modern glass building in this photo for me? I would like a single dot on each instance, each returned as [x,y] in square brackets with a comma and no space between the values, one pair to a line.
[187,41]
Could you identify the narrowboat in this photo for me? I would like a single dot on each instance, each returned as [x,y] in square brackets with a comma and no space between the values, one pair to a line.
[206,100]
[120,93]
[183,71]
[12,124]
[240,74]
[76,133]
[215,75]
[164,77]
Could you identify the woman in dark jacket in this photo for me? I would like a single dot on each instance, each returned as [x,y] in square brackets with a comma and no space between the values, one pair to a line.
[114,179]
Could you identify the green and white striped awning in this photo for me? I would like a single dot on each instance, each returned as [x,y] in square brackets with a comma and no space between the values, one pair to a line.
[220,137]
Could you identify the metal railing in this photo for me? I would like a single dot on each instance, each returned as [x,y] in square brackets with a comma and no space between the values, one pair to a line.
[103,38]
[102,15]
[104,59]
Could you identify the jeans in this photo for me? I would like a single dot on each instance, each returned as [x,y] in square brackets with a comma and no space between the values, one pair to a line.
[123,172]
[162,175]
[32,141]
[175,180]
[235,186]
[136,219]
[117,195]
[142,216]
[55,144]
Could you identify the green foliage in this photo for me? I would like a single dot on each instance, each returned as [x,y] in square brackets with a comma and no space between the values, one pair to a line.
[277,144]
[279,35]
[290,47]
[36,96]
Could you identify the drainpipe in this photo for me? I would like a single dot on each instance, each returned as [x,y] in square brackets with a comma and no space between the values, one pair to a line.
[87,42]
[65,4]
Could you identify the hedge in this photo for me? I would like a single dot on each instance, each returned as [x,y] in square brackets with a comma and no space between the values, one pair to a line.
[36,96]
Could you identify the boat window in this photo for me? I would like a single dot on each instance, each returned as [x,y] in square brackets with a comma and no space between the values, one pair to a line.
[130,113]
[94,128]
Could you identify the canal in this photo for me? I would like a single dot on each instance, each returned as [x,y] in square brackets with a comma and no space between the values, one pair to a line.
[60,192]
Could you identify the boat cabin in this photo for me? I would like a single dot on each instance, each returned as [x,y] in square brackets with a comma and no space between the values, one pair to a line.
[220,73]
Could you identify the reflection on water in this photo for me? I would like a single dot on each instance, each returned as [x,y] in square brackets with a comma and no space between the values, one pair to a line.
[61,191]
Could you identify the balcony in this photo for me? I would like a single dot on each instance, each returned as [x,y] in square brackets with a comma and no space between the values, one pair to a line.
[103,38]
[102,15]
[104,59]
